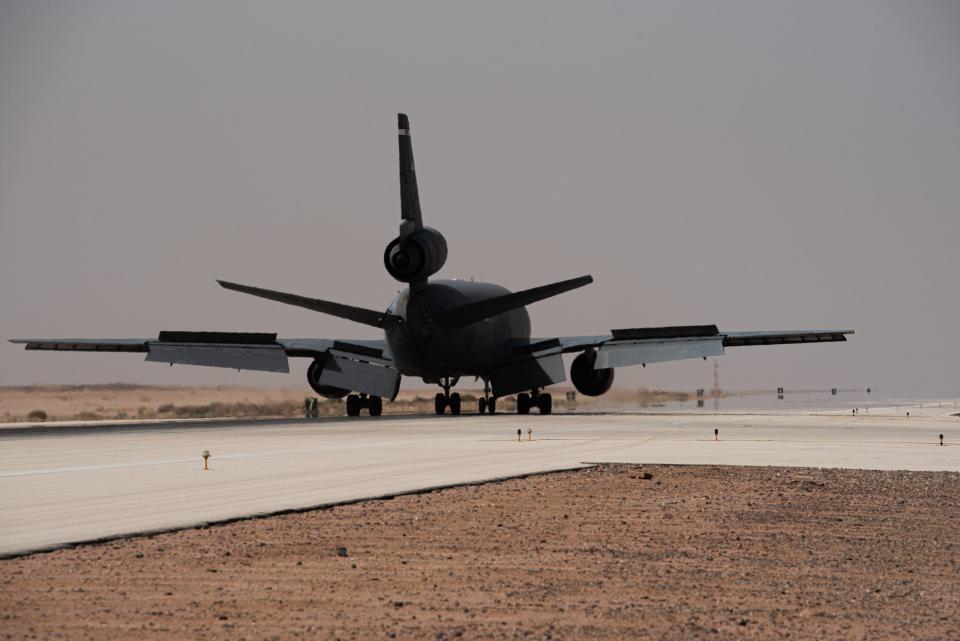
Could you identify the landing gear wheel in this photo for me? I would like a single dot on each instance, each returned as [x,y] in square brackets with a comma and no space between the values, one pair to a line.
[492,405]
[523,403]
[454,403]
[482,405]
[545,403]
[376,406]
[353,405]
[439,403]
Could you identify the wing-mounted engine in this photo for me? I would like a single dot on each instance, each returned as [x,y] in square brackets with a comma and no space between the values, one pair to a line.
[315,371]
[417,256]
[588,380]
[348,367]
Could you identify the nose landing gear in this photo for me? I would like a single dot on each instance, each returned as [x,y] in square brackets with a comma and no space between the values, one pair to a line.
[487,403]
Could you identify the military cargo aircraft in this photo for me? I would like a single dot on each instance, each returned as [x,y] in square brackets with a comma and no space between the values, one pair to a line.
[440,331]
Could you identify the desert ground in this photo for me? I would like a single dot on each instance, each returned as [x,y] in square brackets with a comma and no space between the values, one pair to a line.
[666,552]
[120,401]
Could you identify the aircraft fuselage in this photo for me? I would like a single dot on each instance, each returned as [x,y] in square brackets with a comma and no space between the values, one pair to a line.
[432,351]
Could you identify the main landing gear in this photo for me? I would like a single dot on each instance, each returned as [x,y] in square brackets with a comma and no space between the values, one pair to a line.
[487,403]
[445,399]
[541,400]
[357,402]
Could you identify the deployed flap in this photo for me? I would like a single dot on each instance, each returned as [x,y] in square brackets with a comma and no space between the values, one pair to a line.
[527,370]
[264,358]
[360,373]
[621,353]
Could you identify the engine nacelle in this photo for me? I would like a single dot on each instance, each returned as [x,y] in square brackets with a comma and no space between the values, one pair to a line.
[313,377]
[589,381]
[420,256]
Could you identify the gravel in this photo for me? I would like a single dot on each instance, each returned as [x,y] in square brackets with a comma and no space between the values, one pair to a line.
[614,552]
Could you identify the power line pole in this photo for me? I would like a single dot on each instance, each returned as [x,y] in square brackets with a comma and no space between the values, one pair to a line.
[716,385]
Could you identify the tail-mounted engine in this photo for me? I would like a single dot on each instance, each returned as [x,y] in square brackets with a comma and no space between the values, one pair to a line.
[587,380]
[419,256]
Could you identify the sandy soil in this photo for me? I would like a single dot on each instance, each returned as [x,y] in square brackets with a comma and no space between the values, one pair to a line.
[119,401]
[693,552]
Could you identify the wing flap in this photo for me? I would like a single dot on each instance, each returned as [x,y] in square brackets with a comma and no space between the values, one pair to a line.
[531,366]
[361,373]
[263,358]
[623,353]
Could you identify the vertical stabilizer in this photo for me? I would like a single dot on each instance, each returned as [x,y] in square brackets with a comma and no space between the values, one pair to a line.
[409,195]
[417,252]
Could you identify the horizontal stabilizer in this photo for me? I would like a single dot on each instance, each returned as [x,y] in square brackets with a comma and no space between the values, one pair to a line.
[473,312]
[356,314]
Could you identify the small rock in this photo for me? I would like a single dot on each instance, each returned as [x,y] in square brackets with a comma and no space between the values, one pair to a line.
[341,551]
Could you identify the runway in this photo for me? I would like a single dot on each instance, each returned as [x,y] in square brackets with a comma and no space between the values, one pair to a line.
[62,485]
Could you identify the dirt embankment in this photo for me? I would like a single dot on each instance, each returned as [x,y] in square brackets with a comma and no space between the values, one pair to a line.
[693,552]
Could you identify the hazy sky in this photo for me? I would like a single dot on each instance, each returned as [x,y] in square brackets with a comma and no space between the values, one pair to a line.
[759,165]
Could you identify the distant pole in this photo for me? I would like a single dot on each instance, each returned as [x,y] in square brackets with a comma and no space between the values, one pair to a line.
[716,385]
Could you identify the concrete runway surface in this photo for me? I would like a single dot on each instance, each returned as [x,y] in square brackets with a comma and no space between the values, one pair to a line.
[62,485]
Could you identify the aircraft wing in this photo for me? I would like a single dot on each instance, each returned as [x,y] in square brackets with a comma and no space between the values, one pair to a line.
[639,346]
[235,350]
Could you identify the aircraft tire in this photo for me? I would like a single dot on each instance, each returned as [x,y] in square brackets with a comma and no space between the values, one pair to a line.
[439,403]
[454,403]
[492,406]
[482,405]
[523,403]
[353,405]
[376,406]
[545,403]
